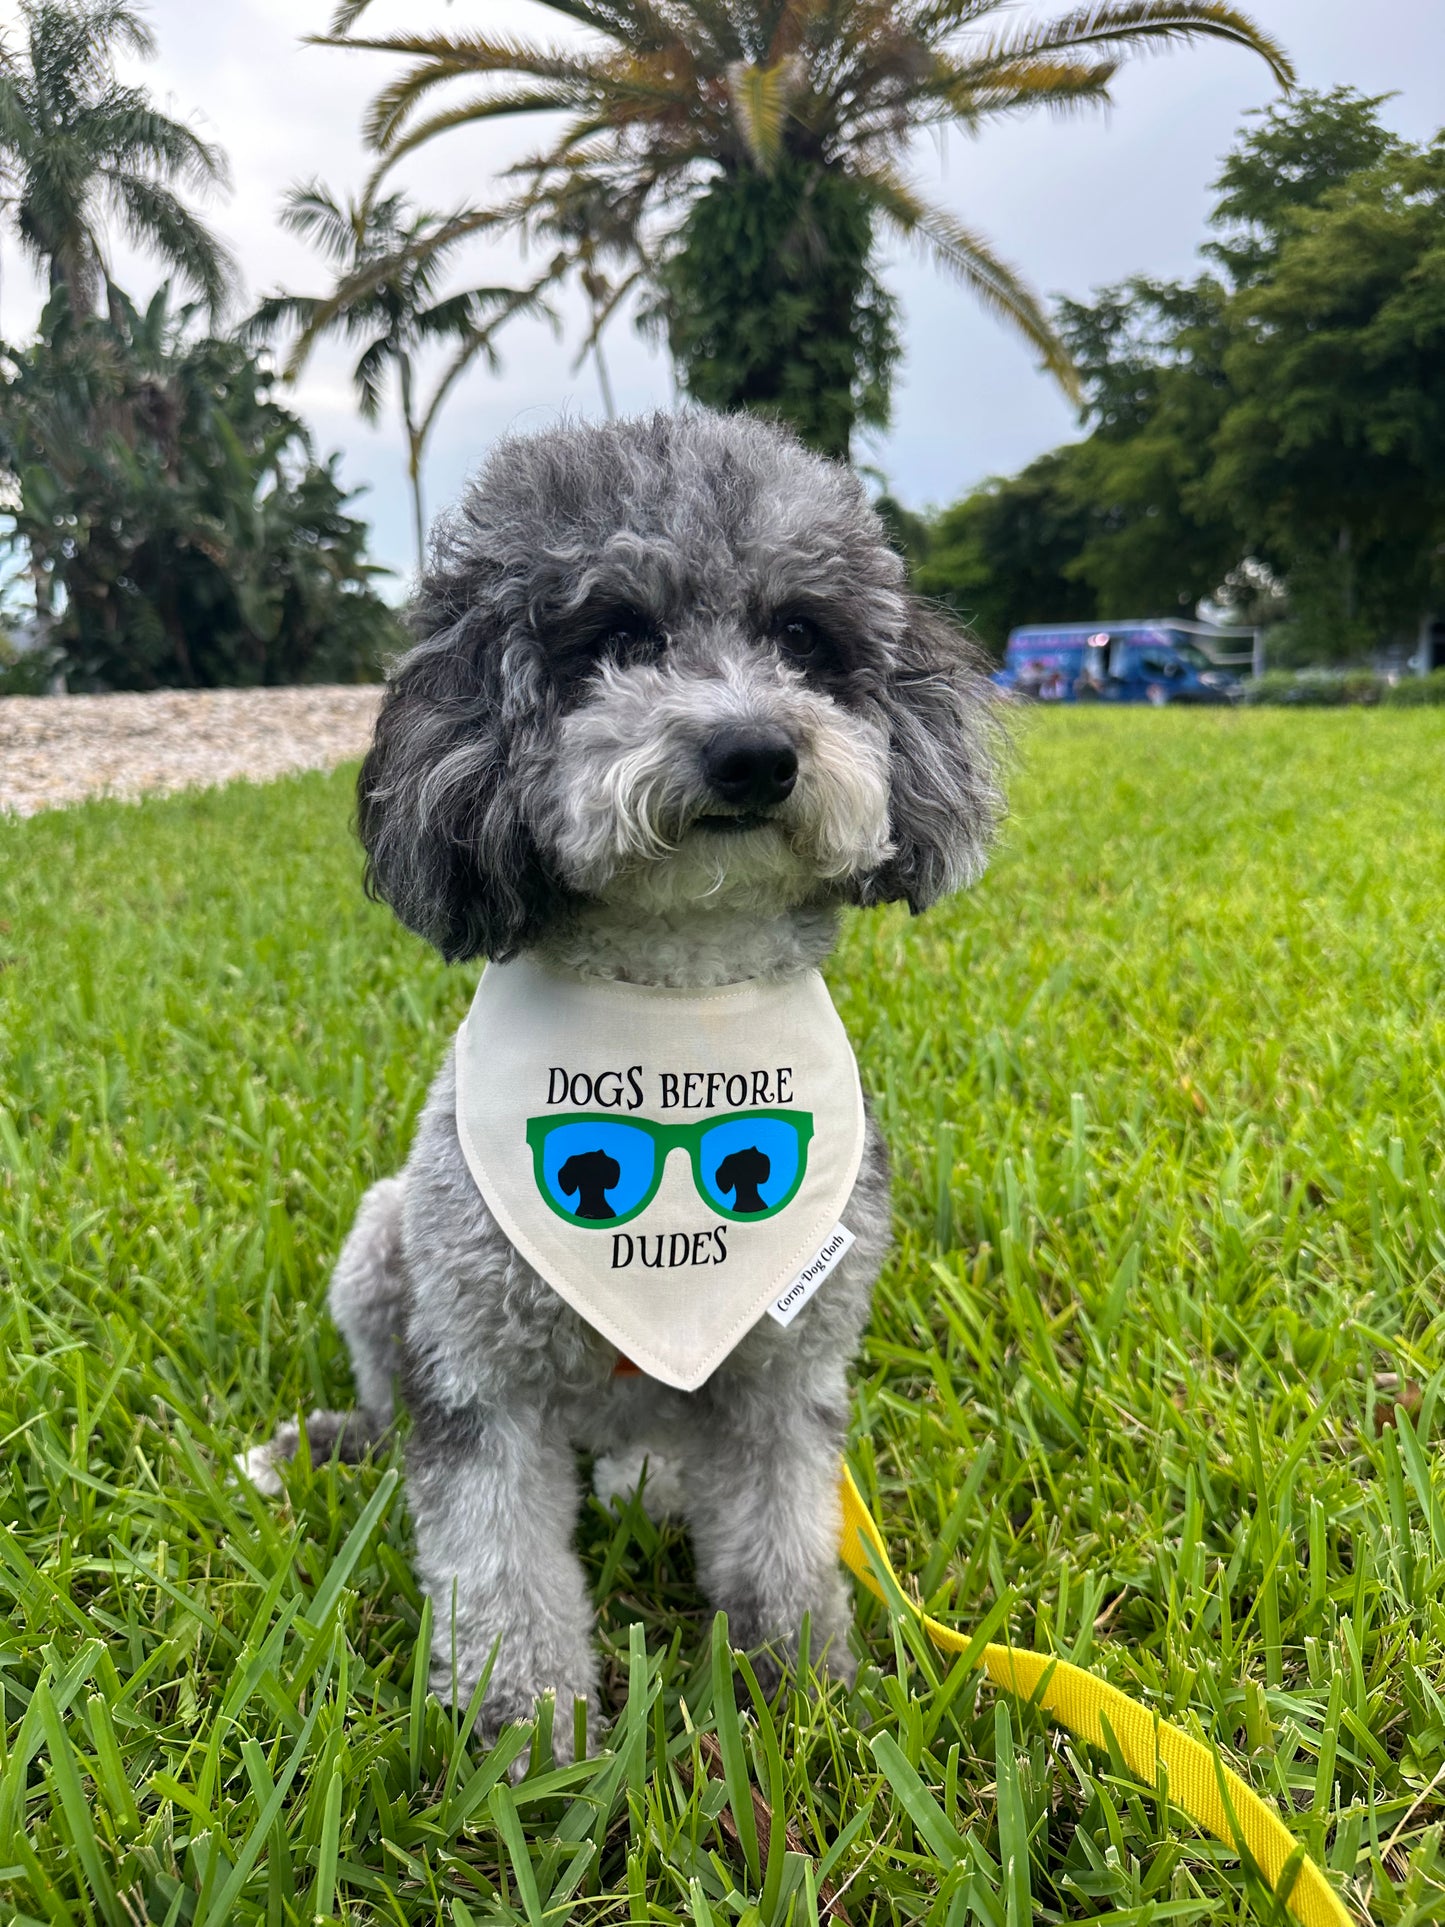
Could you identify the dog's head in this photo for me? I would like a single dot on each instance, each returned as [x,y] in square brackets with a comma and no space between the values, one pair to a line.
[670,661]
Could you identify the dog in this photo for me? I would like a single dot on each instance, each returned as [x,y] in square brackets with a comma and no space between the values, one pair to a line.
[671,706]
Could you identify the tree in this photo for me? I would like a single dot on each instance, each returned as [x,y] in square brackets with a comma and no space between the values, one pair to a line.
[1164,365]
[1150,357]
[83,151]
[680,107]
[1006,554]
[1275,428]
[397,314]
[770,302]
[1332,452]
[175,512]
[1287,163]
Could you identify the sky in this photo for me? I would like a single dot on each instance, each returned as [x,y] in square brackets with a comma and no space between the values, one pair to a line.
[1073,203]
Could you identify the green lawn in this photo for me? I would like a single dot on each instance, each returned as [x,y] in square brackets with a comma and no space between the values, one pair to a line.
[1165,1096]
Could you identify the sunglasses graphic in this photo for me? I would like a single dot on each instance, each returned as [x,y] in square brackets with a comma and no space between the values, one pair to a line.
[596,1169]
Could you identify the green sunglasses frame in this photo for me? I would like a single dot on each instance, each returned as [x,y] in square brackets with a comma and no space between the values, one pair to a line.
[668,1138]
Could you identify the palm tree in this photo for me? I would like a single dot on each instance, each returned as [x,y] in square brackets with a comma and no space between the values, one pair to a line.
[81,151]
[398,254]
[670,103]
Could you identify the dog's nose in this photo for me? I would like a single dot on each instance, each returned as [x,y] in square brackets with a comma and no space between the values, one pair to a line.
[751,766]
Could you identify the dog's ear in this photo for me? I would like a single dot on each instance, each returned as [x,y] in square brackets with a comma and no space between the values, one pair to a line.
[945,745]
[438,801]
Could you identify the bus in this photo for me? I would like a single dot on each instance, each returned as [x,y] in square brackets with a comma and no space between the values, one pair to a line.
[1145,661]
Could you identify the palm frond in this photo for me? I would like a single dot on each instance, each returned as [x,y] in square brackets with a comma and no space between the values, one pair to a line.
[351,292]
[347,13]
[718,26]
[389,258]
[760,97]
[424,247]
[479,51]
[635,82]
[352,321]
[17,130]
[116,23]
[630,23]
[781,25]
[604,314]
[500,105]
[132,134]
[155,218]
[312,212]
[954,94]
[603,142]
[74,139]
[479,342]
[571,77]
[482,342]
[928,22]
[635,23]
[1129,22]
[274,313]
[75,47]
[969,257]
[368,377]
[612,17]
[452,317]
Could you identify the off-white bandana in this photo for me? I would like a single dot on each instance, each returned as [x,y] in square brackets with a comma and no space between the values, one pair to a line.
[667,1160]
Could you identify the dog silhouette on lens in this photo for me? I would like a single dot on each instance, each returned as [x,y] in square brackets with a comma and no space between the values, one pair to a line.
[741,1173]
[592,1175]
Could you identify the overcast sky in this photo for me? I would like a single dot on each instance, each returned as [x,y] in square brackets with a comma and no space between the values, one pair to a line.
[1072,203]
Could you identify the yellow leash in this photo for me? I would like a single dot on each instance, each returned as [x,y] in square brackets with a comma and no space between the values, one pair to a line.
[1213,1796]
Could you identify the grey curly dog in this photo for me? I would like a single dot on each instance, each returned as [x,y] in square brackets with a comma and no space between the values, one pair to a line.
[670,707]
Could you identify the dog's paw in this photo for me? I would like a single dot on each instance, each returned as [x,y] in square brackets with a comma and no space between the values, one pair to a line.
[838,1661]
[778,1660]
[260,1465]
[617,1475]
[347,1435]
[510,1703]
[562,1708]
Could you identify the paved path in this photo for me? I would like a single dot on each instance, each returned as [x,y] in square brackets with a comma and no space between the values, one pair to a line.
[61,749]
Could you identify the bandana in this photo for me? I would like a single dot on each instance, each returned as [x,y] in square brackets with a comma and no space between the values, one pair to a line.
[668,1160]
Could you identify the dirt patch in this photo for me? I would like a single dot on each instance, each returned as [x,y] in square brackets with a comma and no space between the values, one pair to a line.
[61,749]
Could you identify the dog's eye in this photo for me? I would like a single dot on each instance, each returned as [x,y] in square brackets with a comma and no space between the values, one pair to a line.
[626,634]
[805,644]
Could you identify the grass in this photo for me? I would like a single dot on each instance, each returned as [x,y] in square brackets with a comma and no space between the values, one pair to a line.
[1165,1096]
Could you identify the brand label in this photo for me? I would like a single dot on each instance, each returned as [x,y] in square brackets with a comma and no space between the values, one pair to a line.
[788,1304]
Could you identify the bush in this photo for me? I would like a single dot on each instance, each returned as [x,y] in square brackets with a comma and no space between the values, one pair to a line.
[25,672]
[1341,688]
[180,525]
[1414,691]
[1316,688]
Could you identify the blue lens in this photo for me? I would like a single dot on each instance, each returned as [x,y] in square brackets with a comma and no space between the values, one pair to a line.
[597,1171]
[749,1165]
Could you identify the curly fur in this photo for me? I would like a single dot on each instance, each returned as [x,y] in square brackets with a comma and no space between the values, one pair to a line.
[605,608]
